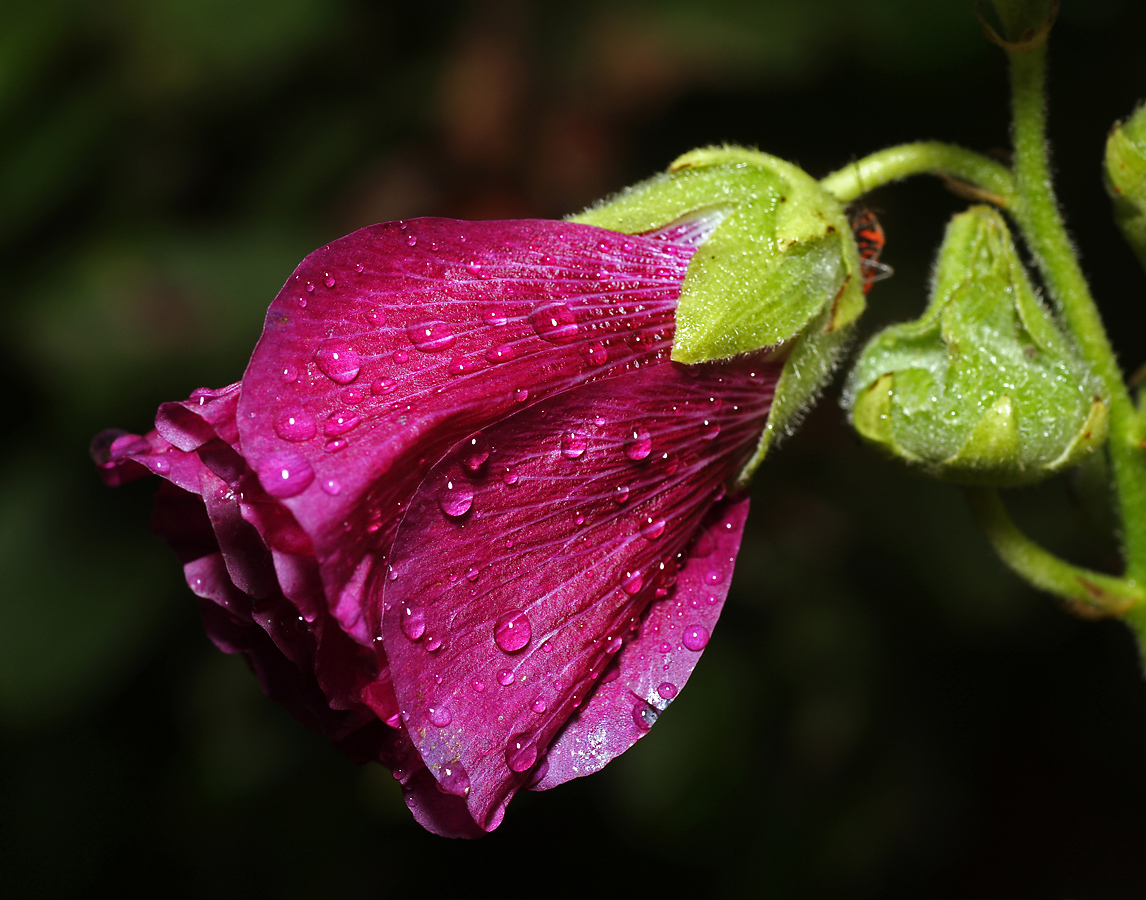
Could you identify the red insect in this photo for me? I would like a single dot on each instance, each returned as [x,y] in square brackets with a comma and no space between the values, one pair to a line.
[870,240]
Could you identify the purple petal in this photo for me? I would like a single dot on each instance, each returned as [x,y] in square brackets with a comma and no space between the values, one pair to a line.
[653,668]
[388,346]
[499,618]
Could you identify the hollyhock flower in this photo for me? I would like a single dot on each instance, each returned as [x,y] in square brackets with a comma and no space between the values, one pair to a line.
[463,513]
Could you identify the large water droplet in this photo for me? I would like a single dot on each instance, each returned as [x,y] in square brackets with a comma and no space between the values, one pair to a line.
[478,685]
[400,356]
[472,573]
[328,280]
[653,529]
[509,476]
[383,386]
[353,396]
[709,430]
[538,705]
[520,753]
[596,354]
[285,475]
[494,315]
[452,779]
[512,630]
[632,582]
[695,637]
[639,445]
[295,425]
[644,716]
[337,362]
[667,690]
[474,453]
[339,423]
[503,353]
[573,444]
[413,621]
[331,486]
[505,677]
[376,317]
[554,322]
[289,374]
[439,715]
[521,395]
[621,495]
[456,498]
[431,337]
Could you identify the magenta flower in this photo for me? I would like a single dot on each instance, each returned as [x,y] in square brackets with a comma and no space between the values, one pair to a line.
[463,514]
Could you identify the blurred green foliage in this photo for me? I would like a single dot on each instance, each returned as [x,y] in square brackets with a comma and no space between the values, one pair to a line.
[883,712]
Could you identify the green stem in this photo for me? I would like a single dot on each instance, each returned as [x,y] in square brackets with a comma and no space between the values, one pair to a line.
[1091,593]
[923,158]
[1038,215]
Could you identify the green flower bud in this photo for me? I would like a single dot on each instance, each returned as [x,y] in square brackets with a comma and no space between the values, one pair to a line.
[781,271]
[1126,178]
[984,388]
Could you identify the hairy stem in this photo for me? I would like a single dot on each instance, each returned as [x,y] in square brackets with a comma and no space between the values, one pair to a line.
[1038,215]
[1090,593]
[854,180]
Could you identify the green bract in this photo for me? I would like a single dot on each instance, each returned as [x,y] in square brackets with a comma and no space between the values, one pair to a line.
[983,388]
[781,271]
[1126,178]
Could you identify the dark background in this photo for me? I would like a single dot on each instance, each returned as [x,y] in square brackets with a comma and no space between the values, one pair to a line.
[883,712]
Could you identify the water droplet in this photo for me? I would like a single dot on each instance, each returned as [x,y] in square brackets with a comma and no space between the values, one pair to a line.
[400,356]
[538,705]
[474,453]
[353,396]
[335,445]
[596,354]
[328,280]
[452,779]
[504,353]
[473,267]
[521,395]
[309,287]
[459,365]
[162,466]
[554,322]
[510,476]
[431,337]
[383,386]
[667,690]
[665,647]
[472,573]
[433,642]
[573,444]
[285,475]
[512,630]
[289,374]
[652,529]
[505,677]
[644,716]
[439,716]
[632,582]
[579,520]
[709,430]
[714,576]
[494,315]
[376,317]
[413,621]
[331,486]
[295,425]
[411,241]
[478,685]
[456,498]
[337,362]
[358,267]
[639,445]
[520,753]
[339,423]
[621,495]
[695,638]
[547,647]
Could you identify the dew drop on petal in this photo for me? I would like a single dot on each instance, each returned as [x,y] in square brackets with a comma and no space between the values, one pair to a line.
[502,353]
[295,425]
[472,573]
[520,753]
[667,690]
[510,476]
[400,356]
[539,706]
[309,287]
[621,495]
[505,677]
[413,622]
[494,315]
[331,486]
[452,779]
[431,337]
[644,716]
[709,430]
[335,445]
[714,576]
[652,529]
[337,361]
[596,354]
[474,453]
[353,396]
[328,280]
[639,445]
[285,475]
[289,374]
[521,395]
[383,386]
[162,466]
[478,685]
[433,642]
[411,241]
[573,444]
[512,630]
[439,716]
[554,322]
[455,498]
[376,317]
[339,423]
[695,638]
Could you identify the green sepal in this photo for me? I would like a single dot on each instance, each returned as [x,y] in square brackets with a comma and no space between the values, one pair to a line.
[983,388]
[1125,178]
[782,256]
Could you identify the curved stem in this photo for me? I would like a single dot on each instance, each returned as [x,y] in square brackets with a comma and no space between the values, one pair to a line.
[1090,593]
[922,158]
[1038,215]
